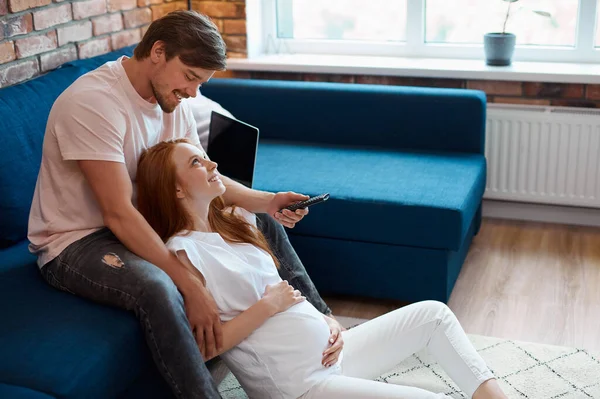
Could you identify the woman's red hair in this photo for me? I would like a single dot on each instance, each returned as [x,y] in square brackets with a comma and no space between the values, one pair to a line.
[158,203]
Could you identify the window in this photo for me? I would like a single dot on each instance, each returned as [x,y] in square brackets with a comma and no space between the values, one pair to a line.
[597,41]
[363,20]
[432,28]
[466,21]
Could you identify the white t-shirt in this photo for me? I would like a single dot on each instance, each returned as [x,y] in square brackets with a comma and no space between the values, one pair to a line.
[282,358]
[99,117]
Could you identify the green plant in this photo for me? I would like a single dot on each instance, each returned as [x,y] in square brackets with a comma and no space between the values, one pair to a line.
[538,12]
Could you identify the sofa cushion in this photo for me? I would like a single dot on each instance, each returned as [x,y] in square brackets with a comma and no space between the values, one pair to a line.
[24,110]
[14,392]
[62,345]
[16,256]
[384,116]
[395,197]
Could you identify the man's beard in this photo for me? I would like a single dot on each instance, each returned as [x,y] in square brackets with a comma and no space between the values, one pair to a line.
[162,101]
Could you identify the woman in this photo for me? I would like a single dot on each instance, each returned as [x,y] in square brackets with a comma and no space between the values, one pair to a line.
[276,343]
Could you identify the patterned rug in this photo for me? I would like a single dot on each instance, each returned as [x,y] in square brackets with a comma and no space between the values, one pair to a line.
[523,370]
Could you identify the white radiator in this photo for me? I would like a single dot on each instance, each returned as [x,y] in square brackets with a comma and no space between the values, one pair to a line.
[540,154]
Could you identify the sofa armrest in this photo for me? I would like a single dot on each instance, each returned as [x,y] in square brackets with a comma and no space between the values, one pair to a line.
[396,117]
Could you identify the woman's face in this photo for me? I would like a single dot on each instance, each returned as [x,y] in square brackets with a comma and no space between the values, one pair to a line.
[197,176]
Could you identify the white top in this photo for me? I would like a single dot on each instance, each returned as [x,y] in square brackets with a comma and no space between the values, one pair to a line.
[282,358]
[99,117]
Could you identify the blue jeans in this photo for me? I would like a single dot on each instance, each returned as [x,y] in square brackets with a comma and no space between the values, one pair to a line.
[98,267]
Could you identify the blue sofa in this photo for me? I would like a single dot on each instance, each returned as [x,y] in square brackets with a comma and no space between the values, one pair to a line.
[404,167]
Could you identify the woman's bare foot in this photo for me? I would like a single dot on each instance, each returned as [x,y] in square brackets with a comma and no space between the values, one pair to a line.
[489,390]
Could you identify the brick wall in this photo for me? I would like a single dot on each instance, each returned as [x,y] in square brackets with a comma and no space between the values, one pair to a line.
[39,35]
[230,17]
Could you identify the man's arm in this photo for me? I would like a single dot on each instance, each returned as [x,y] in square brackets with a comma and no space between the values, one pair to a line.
[252,200]
[264,202]
[276,299]
[240,327]
[113,190]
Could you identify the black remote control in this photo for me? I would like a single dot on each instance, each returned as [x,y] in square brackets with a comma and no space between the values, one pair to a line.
[311,201]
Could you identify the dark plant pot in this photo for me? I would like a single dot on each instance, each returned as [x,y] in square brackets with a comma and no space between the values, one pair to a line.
[499,48]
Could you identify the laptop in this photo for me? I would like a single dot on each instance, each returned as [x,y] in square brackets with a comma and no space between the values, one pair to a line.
[233,145]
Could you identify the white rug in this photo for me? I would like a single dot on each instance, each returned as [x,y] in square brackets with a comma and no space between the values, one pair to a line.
[523,369]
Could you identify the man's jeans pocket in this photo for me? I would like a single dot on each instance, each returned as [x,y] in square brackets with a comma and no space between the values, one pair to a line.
[49,274]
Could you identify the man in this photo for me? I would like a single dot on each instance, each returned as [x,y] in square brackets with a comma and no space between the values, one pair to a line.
[89,237]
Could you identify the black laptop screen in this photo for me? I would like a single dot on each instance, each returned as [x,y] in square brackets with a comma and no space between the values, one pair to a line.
[233,144]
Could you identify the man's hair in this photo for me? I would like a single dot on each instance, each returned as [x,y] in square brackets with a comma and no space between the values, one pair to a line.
[188,34]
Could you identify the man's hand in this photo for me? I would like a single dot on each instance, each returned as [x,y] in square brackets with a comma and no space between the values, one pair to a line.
[203,316]
[336,342]
[286,217]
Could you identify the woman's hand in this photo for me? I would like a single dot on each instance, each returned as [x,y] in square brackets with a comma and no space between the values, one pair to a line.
[281,296]
[336,342]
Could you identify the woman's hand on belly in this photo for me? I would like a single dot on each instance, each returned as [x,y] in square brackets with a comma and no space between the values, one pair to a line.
[281,296]
[336,342]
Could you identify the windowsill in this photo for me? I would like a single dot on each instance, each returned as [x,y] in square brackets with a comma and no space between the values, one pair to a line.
[420,67]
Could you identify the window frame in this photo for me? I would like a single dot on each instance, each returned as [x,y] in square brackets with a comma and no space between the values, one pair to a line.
[264,40]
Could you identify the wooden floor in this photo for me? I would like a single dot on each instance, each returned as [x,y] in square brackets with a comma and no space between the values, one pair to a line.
[525,281]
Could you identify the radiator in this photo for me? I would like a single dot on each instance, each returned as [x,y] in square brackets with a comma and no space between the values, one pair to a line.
[548,155]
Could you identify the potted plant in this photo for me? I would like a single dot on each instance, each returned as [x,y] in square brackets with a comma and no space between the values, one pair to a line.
[499,47]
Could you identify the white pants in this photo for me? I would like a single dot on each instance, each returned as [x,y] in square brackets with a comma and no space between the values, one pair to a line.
[378,345]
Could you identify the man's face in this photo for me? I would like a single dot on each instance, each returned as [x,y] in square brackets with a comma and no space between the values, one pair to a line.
[173,81]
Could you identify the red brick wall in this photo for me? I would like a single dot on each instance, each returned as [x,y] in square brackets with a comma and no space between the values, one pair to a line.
[230,17]
[39,35]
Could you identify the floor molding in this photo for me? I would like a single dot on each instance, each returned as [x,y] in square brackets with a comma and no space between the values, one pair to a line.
[541,213]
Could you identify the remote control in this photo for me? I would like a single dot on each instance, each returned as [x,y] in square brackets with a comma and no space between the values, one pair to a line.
[311,201]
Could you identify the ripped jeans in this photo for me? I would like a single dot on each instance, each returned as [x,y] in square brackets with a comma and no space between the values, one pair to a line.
[99,268]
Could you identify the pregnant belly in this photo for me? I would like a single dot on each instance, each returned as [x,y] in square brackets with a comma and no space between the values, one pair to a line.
[293,340]
[284,354]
